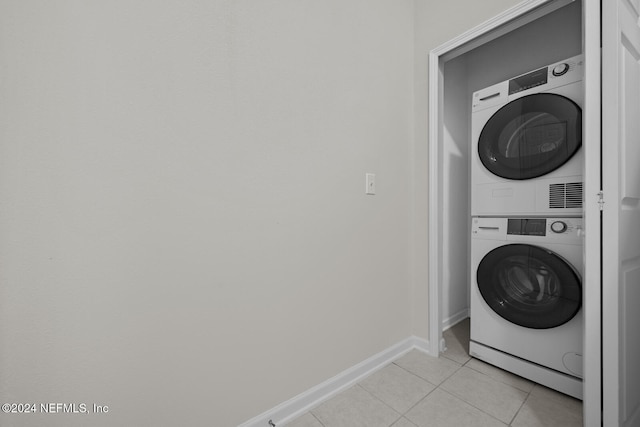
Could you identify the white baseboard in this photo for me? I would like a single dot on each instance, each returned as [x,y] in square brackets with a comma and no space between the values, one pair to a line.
[301,403]
[420,344]
[455,319]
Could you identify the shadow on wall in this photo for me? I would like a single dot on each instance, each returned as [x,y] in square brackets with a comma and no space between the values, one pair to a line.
[455,155]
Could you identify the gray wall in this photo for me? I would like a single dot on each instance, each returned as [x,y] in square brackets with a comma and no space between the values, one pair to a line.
[185,234]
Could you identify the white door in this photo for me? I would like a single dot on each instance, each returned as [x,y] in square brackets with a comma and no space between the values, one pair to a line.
[621,212]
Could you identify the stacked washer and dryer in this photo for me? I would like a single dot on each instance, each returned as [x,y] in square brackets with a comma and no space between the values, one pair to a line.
[526,224]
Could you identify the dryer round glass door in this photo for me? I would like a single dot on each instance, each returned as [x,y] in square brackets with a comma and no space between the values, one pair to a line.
[531,136]
[530,286]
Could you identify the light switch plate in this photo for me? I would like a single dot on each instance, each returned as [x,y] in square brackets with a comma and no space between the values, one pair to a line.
[370,179]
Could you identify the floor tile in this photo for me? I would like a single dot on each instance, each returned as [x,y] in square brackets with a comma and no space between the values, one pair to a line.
[355,407]
[567,401]
[500,400]
[457,341]
[456,351]
[548,408]
[403,422]
[397,387]
[501,375]
[441,392]
[306,420]
[433,369]
[441,409]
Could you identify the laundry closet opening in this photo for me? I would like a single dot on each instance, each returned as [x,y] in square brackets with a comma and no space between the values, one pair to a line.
[531,45]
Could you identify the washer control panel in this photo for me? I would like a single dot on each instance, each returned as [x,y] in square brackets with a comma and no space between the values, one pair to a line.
[568,230]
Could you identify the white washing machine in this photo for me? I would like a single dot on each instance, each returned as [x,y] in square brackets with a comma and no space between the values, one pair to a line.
[526,135]
[526,298]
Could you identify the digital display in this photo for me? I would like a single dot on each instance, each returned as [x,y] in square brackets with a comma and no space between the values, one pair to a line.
[527,227]
[533,79]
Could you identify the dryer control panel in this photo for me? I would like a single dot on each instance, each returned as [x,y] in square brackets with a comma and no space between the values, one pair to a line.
[528,81]
[564,72]
[554,75]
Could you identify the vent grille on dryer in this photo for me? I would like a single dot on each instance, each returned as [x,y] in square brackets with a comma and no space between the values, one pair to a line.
[565,196]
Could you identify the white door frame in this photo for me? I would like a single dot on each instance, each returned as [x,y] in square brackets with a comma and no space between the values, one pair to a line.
[524,12]
[592,281]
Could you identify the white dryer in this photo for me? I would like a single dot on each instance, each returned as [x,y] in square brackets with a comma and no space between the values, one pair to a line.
[526,298]
[526,135]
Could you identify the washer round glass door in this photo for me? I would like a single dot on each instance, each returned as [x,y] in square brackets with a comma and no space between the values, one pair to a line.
[530,286]
[531,136]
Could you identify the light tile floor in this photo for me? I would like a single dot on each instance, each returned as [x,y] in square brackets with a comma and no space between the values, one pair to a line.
[454,390]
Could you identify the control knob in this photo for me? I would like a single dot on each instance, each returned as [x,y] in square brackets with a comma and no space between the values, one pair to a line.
[558,226]
[560,69]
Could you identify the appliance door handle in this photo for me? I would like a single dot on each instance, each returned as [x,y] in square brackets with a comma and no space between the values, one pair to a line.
[493,95]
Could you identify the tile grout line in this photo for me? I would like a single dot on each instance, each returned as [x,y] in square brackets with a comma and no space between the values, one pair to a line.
[403,414]
[369,393]
[418,402]
[317,419]
[472,405]
[439,386]
[380,400]
[519,409]
[418,376]
[482,410]
[436,386]
[500,381]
